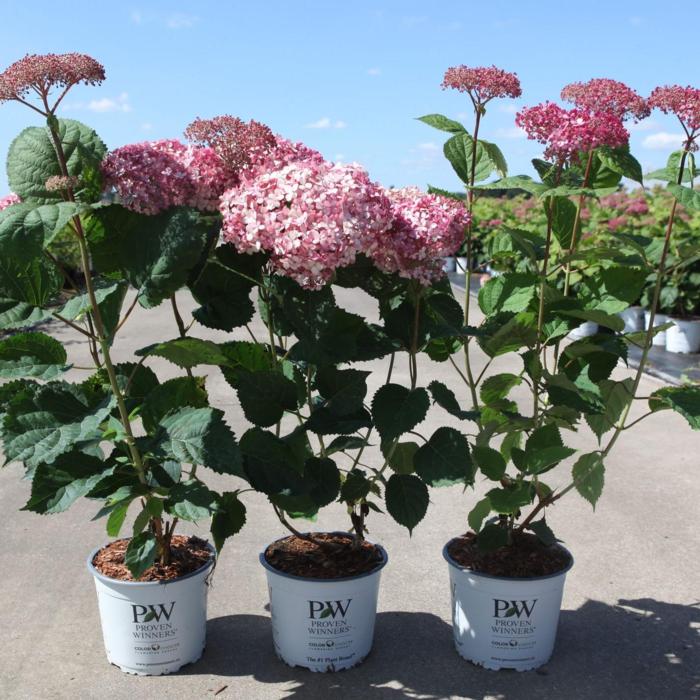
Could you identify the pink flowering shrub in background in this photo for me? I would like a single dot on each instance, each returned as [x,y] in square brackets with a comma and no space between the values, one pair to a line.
[8,200]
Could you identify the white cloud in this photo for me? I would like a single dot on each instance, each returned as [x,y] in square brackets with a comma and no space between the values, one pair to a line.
[662,140]
[327,123]
[107,104]
[374,71]
[339,157]
[428,147]
[181,21]
[422,157]
[514,132]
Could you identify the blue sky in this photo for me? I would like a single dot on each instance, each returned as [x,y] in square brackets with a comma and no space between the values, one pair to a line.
[348,79]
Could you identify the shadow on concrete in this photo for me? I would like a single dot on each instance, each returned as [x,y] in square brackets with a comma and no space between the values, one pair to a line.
[636,649]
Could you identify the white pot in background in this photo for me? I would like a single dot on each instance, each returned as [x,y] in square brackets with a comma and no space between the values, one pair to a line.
[449,265]
[633,318]
[659,319]
[461,265]
[503,623]
[153,627]
[583,331]
[683,336]
[323,624]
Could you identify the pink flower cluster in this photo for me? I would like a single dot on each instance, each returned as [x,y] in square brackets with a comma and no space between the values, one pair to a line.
[152,176]
[310,217]
[44,72]
[566,133]
[684,102]
[482,84]
[606,95]
[8,200]
[425,229]
[617,222]
[247,148]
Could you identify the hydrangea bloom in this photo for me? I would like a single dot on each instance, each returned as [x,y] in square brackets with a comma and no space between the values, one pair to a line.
[41,73]
[566,133]
[8,200]
[617,222]
[606,95]
[637,206]
[684,102]
[311,217]
[482,84]
[152,176]
[57,183]
[247,148]
[425,228]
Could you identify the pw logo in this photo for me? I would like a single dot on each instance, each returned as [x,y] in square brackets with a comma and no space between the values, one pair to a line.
[513,608]
[146,613]
[319,609]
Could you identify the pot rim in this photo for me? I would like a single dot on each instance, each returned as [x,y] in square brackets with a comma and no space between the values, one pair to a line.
[377,569]
[510,579]
[107,579]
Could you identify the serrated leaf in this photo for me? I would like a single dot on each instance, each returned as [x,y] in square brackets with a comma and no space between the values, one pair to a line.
[396,409]
[512,292]
[343,390]
[444,460]
[498,386]
[402,457]
[489,461]
[438,121]
[171,395]
[458,150]
[229,518]
[543,531]
[140,553]
[510,500]
[265,396]
[688,197]
[589,475]
[116,518]
[191,500]
[446,399]
[478,513]
[684,400]
[186,352]
[355,487]
[406,499]
[31,354]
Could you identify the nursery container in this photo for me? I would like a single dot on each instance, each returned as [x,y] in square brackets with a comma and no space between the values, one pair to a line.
[583,331]
[153,627]
[461,265]
[502,622]
[449,265]
[633,318]
[323,624]
[660,338]
[683,336]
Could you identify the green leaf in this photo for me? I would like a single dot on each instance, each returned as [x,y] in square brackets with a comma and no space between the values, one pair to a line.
[406,499]
[543,532]
[516,182]
[620,160]
[344,390]
[187,352]
[55,487]
[270,463]
[402,457]
[446,399]
[563,216]
[265,396]
[444,460]
[478,513]
[503,336]
[396,409]
[191,500]
[109,297]
[32,160]
[170,396]
[141,553]
[45,421]
[688,197]
[458,150]
[345,442]
[200,436]
[613,322]
[546,458]
[31,354]
[589,475]
[25,290]
[489,461]
[498,386]
[510,292]
[438,121]
[229,518]
[510,500]
[492,537]
[156,254]
[684,400]
[496,157]
[356,487]
[616,396]
[116,518]
[323,422]
[323,480]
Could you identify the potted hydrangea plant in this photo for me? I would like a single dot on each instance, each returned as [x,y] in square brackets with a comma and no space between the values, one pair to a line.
[113,431]
[507,572]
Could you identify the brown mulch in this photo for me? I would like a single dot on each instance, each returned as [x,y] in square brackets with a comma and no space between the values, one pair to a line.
[329,556]
[525,558]
[187,555]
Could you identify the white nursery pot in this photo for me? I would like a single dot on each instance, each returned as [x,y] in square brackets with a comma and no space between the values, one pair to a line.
[461,265]
[153,627]
[449,265]
[323,624]
[633,318]
[587,328]
[683,336]
[660,338]
[503,623]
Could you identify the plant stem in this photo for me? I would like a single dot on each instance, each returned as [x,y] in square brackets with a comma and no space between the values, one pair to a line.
[180,326]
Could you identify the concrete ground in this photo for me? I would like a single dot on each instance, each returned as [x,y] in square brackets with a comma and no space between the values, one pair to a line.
[629,625]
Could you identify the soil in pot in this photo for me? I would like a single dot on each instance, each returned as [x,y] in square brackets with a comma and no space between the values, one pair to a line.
[527,557]
[188,554]
[336,557]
